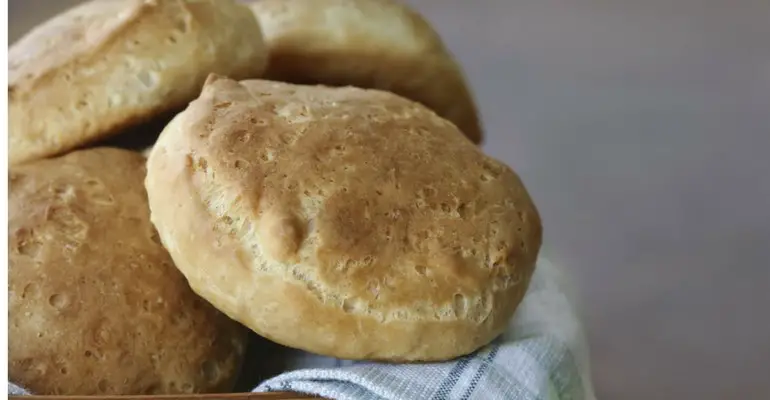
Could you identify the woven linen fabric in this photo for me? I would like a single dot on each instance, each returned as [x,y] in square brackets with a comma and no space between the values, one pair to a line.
[14,390]
[542,356]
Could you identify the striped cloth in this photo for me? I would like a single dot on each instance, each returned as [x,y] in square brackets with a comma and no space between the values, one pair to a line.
[542,356]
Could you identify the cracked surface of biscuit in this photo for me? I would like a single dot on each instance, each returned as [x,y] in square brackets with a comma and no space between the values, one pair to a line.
[95,304]
[102,66]
[346,222]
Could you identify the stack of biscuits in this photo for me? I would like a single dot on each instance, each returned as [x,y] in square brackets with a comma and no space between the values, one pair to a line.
[187,174]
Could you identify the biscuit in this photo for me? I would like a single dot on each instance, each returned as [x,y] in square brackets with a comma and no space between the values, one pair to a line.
[106,65]
[346,222]
[377,44]
[95,304]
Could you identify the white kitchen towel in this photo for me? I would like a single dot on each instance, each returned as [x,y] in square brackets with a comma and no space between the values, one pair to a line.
[14,390]
[542,356]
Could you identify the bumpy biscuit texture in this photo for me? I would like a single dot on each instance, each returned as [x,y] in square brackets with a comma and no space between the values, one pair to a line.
[95,304]
[346,222]
[106,65]
[377,44]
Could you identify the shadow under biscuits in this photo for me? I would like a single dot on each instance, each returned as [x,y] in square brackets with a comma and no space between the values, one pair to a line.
[138,137]
[264,360]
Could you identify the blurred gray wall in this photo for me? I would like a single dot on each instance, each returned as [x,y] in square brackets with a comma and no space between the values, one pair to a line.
[642,129]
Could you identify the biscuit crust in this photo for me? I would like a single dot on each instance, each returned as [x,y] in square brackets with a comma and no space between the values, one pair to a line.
[95,304]
[346,222]
[109,64]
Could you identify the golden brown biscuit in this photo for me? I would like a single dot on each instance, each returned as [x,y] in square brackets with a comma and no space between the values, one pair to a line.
[95,303]
[378,44]
[347,222]
[105,65]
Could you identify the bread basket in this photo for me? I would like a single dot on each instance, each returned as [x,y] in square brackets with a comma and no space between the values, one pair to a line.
[136,143]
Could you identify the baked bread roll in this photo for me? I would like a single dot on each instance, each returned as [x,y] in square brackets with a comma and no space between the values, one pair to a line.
[378,44]
[106,65]
[95,305]
[346,222]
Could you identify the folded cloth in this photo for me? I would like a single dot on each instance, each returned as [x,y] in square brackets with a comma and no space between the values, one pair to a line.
[542,356]
[14,390]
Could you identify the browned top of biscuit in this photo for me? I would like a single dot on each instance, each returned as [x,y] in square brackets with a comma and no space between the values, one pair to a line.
[374,204]
[106,65]
[96,305]
[75,33]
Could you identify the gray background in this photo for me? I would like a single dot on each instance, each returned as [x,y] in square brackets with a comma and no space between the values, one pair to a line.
[642,129]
